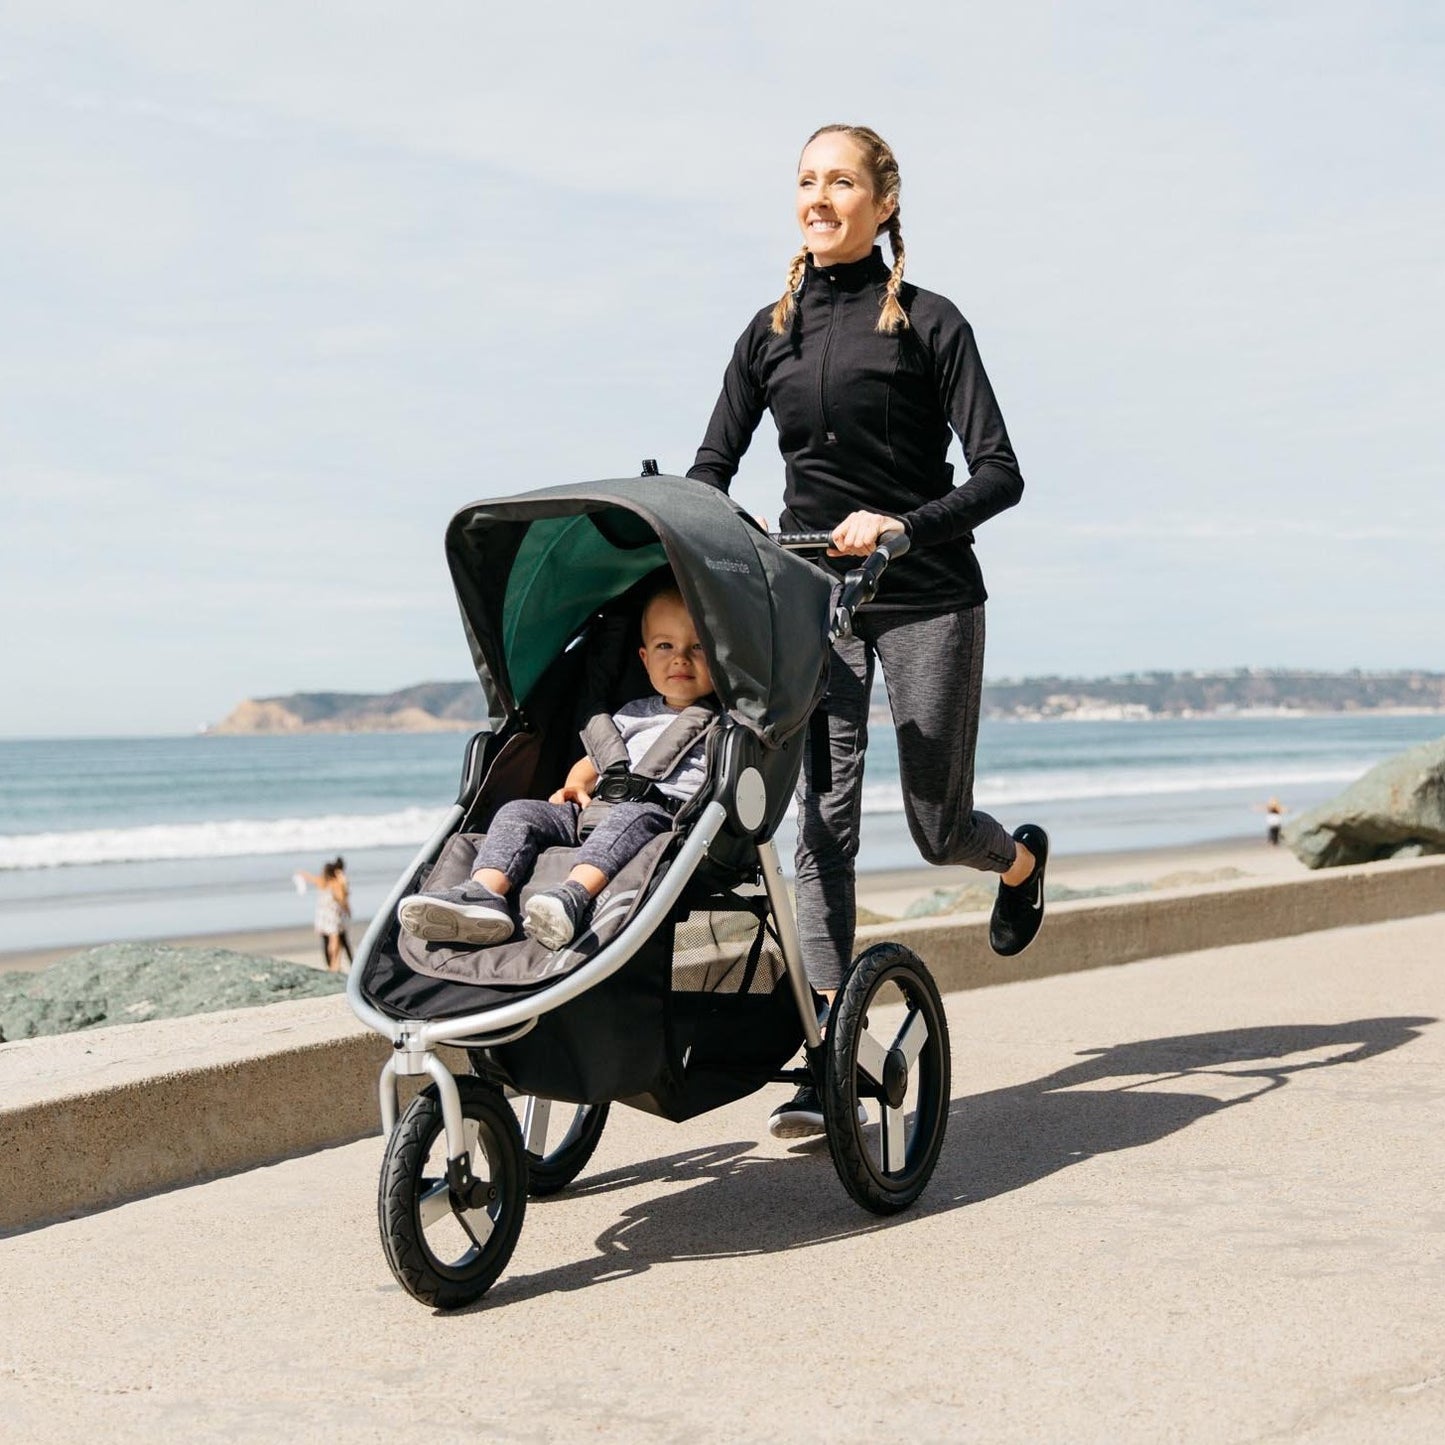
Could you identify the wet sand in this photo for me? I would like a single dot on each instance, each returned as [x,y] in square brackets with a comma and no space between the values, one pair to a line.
[887,894]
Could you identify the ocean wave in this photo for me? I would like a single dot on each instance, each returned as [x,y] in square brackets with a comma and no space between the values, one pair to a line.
[248,837]
[1082,785]
[234,838]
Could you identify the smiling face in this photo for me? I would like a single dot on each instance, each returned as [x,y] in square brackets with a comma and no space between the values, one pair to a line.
[839,212]
[676,665]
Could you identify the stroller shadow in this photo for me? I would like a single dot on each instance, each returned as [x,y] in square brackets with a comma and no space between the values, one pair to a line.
[1122,1097]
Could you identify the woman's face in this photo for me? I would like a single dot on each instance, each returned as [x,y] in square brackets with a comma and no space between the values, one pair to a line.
[838,213]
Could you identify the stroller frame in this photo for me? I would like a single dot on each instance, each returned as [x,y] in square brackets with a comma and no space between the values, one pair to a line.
[468,1113]
[415,1041]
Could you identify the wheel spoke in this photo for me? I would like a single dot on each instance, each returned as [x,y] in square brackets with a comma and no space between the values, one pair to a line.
[434,1202]
[534,1125]
[871,1055]
[894,1127]
[912,1037]
[477,1223]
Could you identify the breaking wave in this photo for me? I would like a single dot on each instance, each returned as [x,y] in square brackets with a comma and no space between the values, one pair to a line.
[248,837]
[235,838]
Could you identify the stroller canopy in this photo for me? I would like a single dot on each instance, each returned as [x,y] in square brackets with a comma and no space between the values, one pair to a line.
[529,570]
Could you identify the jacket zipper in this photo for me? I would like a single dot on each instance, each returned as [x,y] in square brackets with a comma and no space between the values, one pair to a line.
[828,435]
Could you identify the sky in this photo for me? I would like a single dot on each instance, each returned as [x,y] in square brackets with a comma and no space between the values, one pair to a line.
[283,287]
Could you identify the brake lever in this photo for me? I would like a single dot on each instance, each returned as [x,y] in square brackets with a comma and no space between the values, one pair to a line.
[861,585]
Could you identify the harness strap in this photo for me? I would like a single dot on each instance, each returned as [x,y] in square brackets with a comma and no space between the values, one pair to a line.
[820,754]
[693,722]
[603,741]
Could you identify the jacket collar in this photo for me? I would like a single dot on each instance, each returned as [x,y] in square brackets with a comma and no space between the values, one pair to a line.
[851,275]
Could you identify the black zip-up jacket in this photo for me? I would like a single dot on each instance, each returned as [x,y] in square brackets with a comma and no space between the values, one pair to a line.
[863,422]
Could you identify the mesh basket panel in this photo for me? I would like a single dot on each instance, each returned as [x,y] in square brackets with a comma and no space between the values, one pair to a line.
[726,949]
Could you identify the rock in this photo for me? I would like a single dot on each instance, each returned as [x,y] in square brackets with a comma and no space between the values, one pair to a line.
[123,983]
[1397,810]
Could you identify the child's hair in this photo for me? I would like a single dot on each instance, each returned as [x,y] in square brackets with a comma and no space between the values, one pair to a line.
[882,167]
[665,587]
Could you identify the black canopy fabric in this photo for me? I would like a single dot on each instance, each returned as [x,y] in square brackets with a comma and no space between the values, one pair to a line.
[529,570]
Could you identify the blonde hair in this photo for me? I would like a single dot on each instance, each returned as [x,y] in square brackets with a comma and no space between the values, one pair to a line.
[882,167]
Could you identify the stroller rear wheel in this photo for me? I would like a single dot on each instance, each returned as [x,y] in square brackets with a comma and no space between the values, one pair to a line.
[887,1047]
[571,1130]
[444,1249]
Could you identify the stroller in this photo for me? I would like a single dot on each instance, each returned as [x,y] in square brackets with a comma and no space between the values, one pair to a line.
[686,990]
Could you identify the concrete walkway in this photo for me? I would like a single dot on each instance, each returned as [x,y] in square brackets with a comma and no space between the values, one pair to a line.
[1195,1199]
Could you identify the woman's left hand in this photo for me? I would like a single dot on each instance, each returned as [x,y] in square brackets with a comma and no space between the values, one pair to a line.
[859,533]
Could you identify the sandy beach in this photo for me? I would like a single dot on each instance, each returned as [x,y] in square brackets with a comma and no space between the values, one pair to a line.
[884,894]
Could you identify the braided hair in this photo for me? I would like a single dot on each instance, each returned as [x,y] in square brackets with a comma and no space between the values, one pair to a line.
[882,168]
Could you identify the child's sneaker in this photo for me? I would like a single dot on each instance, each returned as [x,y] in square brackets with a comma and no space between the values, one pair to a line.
[556,917]
[468,913]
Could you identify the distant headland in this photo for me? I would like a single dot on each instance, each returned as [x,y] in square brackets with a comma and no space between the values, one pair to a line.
[460,706]
[1243,691]
[428,707]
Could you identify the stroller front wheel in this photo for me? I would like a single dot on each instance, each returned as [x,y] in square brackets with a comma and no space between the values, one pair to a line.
[887,1048]
[446,1250]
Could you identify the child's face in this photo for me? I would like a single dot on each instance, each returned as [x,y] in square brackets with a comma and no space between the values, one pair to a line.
[672,654]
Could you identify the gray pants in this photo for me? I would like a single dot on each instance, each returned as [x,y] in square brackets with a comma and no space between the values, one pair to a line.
[933,669]
[524,827]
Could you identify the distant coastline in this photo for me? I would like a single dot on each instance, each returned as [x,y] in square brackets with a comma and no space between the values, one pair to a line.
[1150,696]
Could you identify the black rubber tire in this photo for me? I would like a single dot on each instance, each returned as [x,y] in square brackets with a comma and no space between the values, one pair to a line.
[552,1172]
[860,1166]
[497,1158]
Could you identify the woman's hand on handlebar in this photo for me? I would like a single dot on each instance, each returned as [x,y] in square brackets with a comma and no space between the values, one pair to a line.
[859,533]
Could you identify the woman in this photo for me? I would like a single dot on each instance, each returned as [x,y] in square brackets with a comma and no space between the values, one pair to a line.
[341,886]
[333,911]
[864,376]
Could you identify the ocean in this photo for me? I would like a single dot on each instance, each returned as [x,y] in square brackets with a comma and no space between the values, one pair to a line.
[107,839]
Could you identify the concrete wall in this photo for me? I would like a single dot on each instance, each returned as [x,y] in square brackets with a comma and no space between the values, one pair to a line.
[90,1119]
[1094,933]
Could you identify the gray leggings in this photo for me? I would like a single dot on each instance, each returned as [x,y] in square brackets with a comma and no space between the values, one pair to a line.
[524,827]
[933,668]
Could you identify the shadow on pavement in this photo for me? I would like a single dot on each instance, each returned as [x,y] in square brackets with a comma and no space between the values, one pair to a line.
[1119,1097]
[1132,1094]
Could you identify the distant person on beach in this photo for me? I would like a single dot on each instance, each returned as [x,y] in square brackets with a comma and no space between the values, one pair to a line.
[1274,812]
[333,911]
[864,376]
[478,911]
[343,941]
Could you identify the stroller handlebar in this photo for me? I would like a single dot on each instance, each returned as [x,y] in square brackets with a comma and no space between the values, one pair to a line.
[802,541]
[859,586]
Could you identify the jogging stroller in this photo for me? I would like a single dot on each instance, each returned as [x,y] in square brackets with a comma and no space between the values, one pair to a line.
[687,989]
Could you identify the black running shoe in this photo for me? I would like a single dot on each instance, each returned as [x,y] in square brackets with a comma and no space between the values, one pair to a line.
[556,917]
[800,1117]
[1018,912]
[468,913]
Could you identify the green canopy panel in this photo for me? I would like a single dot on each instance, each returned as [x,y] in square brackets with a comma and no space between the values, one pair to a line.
[565,569]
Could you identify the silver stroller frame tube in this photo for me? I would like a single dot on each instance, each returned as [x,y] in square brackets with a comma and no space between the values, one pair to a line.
[413,1041]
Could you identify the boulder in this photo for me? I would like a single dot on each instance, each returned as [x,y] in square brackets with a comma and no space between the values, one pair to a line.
[127,983]
[1397,810]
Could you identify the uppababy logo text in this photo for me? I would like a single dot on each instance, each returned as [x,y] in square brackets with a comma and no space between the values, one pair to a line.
[722,564]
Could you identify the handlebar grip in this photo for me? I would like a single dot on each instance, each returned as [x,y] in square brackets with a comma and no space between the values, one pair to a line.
[803,541]
[895,544]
